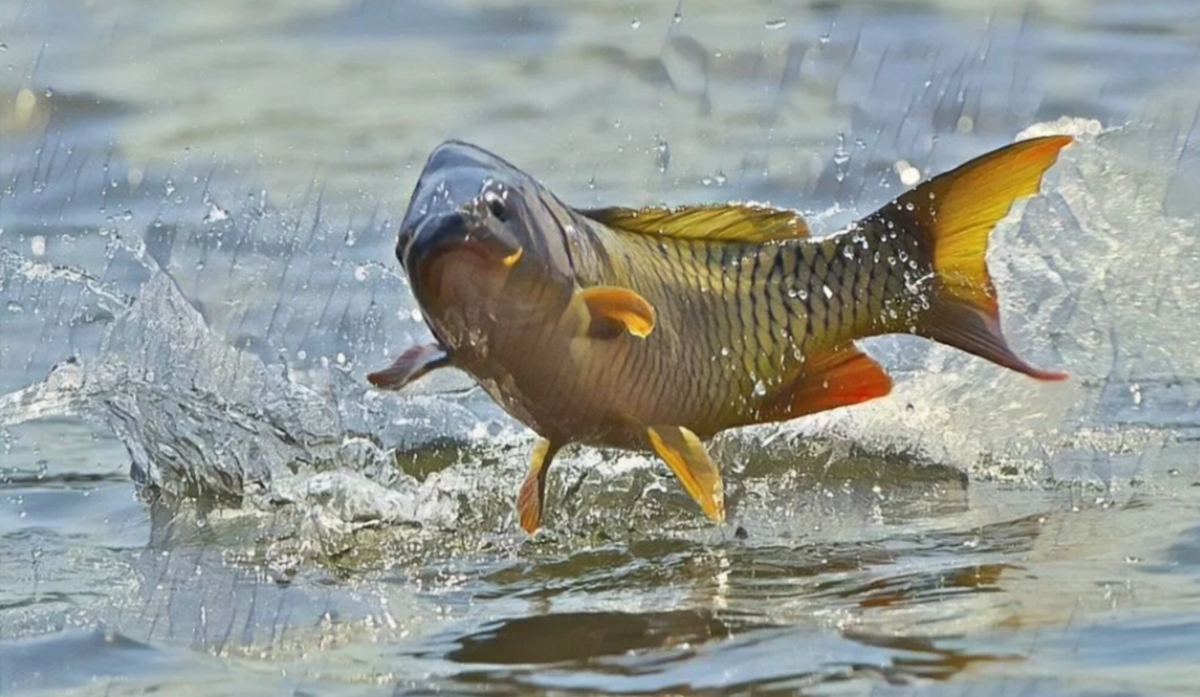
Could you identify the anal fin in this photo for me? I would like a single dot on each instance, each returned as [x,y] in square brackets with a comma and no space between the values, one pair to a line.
[688,459]
[833,378]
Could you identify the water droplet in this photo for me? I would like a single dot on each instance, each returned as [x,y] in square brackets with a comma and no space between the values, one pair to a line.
[302,354]
[3,46]
[678,17]
[215,214]
[909,207]
[1135,391]
[15,307]
[760,388]
[848,252]
[725,351]
[802,294]
[636,23]
[360,273]
[841,158]
[37,245]
[416,315]
[592,183]
[49,93]
[909,175]
[720,178]
[169,187]
[827,290]
[662,156]
[776,23]
[24,104]
[823,39]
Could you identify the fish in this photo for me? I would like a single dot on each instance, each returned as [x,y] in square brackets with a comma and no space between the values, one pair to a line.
[653,329]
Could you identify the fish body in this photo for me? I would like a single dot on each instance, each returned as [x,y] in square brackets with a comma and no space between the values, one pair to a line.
[657,328]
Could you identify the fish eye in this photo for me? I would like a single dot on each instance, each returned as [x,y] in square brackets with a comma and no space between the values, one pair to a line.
[496,205]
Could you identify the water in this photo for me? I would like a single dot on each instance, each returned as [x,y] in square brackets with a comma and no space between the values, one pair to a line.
[199,494]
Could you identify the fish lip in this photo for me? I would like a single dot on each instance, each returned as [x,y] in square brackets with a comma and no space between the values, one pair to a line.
[456,230]
[429,237]
[454,236]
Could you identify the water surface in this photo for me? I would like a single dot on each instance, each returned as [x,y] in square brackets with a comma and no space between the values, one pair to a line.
[199,494]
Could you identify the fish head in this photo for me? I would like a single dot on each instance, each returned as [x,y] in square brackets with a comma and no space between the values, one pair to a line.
[481,245]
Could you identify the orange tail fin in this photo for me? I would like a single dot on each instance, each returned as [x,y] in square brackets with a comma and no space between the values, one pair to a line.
[954,212]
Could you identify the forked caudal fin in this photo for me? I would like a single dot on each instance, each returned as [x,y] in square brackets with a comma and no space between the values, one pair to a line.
[953,213]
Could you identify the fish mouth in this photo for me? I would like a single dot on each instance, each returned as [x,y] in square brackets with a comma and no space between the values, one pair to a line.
[456,240]
[459,232]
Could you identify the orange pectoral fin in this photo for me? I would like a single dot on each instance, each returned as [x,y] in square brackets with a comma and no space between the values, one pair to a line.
[833,378]
[415,362]
[686,456]
[617,309]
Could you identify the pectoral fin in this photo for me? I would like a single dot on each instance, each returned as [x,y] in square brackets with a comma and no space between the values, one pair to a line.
[614,310]
[531,499]
[415,362]
[688,459]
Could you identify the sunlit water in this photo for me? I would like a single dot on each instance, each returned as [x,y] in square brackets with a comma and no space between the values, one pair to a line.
[200,495]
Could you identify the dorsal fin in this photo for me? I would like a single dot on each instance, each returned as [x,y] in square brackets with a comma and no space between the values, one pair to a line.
[731,222]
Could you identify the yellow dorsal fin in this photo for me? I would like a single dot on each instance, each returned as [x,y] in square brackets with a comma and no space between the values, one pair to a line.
[686,456]
[732,222]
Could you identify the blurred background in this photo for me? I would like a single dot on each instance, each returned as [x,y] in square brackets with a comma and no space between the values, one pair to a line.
[199,494]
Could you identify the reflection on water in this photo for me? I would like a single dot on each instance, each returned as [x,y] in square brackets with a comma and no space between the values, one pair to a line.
[196,225]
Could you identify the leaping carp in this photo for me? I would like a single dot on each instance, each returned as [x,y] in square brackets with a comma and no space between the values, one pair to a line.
[654,329]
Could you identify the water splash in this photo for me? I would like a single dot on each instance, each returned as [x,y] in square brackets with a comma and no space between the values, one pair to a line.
[195,344]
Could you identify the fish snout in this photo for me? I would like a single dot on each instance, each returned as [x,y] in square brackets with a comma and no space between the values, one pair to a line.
[431,237]
[470,231]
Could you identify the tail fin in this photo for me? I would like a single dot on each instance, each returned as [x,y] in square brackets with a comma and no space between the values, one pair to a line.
[955,212]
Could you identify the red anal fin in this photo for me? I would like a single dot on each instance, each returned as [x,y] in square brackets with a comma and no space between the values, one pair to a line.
[830,379]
